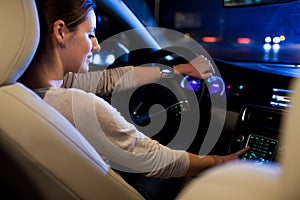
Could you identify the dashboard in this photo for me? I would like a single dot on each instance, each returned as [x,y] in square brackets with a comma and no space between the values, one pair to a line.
[258,84]
[249,83]
[259,91]
[259,94]
[247,88]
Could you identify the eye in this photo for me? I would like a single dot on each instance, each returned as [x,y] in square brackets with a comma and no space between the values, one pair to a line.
[91,36]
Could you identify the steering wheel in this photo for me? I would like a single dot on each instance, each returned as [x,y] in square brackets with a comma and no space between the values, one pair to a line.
[168,92]
[169,111]
[160,109]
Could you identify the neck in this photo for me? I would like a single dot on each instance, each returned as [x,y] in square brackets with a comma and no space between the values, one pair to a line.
[56,83]
[44,71]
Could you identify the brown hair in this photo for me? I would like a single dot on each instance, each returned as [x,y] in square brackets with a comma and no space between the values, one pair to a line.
[72,12]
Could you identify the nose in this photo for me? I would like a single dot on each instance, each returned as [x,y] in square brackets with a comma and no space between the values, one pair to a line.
[96,47]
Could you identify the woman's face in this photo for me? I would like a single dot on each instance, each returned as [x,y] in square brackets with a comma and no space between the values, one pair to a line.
[80,45]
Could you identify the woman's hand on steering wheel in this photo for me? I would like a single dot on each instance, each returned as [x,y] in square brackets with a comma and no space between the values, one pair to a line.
[200,68]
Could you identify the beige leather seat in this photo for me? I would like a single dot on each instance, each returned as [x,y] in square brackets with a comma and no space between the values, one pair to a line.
[42,155]
[248,181]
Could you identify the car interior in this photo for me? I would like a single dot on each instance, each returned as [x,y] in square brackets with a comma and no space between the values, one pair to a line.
[247,96]
[248,102]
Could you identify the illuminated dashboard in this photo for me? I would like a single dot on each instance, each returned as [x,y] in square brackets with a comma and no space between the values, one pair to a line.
[281,98]
[258,84]
[240,91]
[215,84]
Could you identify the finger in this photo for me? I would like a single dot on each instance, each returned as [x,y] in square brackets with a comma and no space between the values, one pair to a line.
[206,75]
[212,68]
[241,151]
[207,66]
[203,57]
[199,60]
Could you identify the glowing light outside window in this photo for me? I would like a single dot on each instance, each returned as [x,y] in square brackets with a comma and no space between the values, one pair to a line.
[243,40]
[276,40]
[97,59]
[110,59]
[267,47]
[268,39]
[169,58]
[282,38]
[276,48]
[209,39]
[273,43]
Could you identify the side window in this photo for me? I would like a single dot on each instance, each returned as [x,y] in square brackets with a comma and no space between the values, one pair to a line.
[106,28]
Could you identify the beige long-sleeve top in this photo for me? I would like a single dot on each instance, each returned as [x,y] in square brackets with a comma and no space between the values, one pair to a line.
[102,82]
[111,135]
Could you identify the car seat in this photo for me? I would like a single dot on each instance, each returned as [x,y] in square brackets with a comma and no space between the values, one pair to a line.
[42,155]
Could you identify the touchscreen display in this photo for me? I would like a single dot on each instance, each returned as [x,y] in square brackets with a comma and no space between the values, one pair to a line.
[262,149]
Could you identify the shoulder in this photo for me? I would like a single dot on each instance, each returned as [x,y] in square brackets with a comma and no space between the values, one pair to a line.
[75,95]
[70,94]
[67,91]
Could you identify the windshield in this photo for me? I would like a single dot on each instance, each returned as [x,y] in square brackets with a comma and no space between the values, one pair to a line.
[141,9]
[269,33]
[261,34]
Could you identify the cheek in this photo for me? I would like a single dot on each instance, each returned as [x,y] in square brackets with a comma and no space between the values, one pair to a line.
[86,45]
[82,44]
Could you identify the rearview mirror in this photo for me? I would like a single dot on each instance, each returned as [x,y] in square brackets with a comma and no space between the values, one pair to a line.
[242,3]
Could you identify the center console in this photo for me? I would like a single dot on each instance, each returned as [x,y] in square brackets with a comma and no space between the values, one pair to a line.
[258,128]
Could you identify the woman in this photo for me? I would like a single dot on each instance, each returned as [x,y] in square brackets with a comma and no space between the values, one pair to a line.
[66,45]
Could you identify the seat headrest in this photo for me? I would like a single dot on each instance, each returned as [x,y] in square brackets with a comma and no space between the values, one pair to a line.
[19,38]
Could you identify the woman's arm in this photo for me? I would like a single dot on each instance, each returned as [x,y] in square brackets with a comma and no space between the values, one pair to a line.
[200,163]
[122,78]
[200,68]
[119,141]
[101,82]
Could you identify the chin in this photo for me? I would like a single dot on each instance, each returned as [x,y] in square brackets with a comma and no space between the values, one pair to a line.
[83,69]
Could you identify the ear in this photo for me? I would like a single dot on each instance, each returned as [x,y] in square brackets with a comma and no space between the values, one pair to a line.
[59,31]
